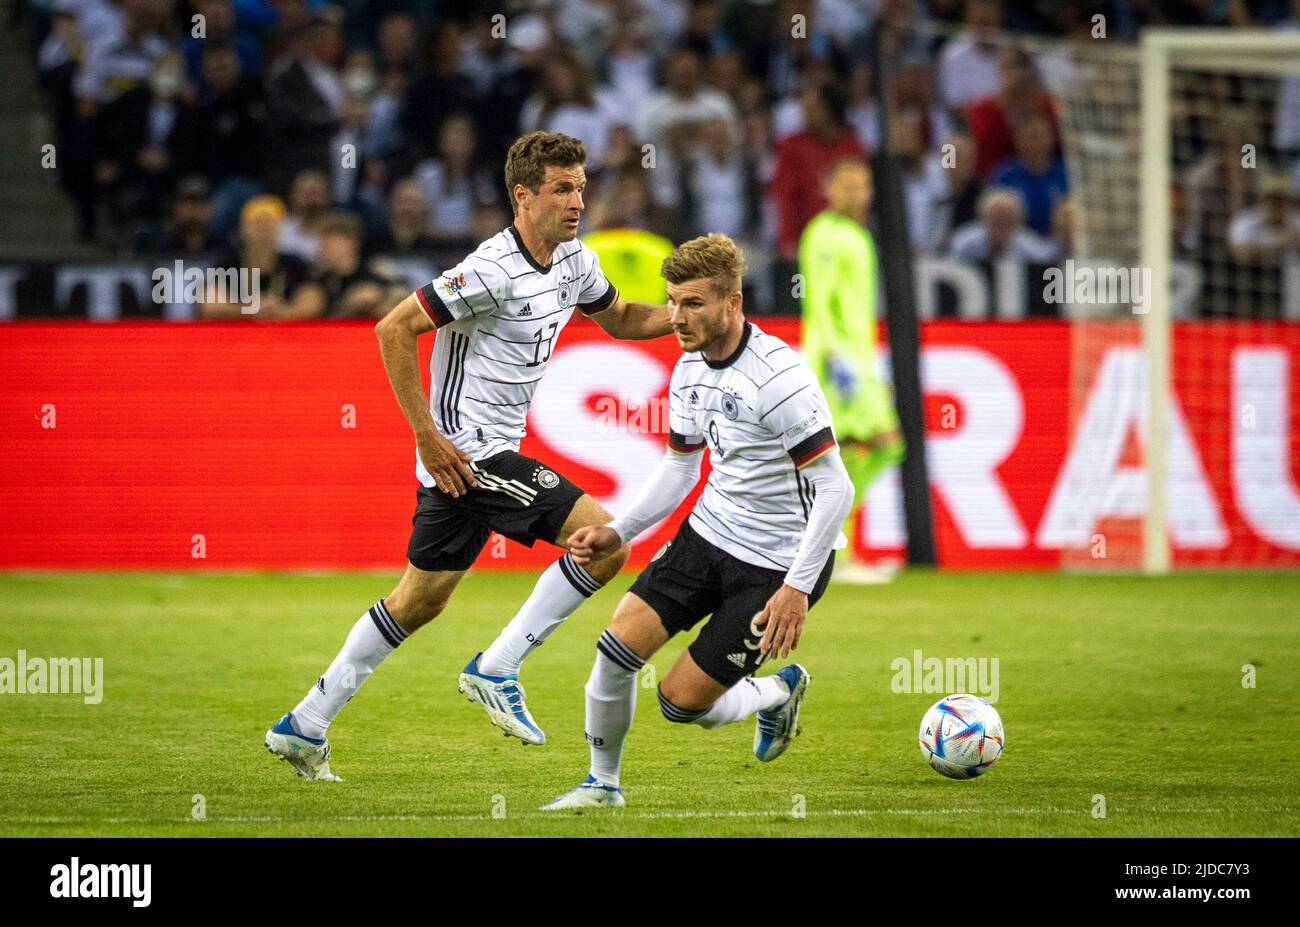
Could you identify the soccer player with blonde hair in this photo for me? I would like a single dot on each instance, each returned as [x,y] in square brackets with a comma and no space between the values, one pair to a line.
[755,553]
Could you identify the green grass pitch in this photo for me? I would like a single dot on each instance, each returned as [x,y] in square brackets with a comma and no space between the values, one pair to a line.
[1123,687]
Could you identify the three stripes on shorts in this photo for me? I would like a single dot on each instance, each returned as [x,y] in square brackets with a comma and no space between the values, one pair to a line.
[515,489]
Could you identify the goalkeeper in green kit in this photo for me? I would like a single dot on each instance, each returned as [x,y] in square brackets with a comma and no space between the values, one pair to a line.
[837,258]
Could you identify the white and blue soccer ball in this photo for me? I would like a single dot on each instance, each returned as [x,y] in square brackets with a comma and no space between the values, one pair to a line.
[962,736]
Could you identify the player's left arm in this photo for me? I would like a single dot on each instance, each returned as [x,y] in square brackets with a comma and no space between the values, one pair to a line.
[599,299]
[796,411]
[634,321]
[783,616]
[669,484]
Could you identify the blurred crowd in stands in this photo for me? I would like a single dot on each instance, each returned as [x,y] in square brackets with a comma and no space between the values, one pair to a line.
[312,138]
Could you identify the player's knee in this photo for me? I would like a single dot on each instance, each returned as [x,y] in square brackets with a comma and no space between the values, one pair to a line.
[606,568]
[675,712]
[415,611]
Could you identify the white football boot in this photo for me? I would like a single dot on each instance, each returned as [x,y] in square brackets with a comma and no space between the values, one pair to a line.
[502,697]
[778,726]
[591,794]
[309,756]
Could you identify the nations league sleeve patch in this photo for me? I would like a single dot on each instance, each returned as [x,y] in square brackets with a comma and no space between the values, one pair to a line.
[453,284]
[803,427]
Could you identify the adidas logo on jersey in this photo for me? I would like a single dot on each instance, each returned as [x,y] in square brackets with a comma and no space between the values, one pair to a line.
[526,311]
[736,658]
[694,397]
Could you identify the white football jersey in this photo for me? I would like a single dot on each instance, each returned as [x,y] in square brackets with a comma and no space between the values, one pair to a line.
[499,315]
[763,415]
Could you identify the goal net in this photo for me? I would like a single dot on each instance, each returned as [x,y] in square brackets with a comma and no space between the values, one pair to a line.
[1183,158]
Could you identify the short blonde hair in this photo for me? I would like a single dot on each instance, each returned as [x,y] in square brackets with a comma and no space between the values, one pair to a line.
[714,256]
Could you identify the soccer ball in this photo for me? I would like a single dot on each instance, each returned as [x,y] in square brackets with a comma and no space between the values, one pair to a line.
[961,736]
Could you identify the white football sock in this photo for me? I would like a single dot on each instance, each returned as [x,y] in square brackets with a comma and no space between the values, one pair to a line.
[611,702]
[744,699]
[560,590]
[373,637]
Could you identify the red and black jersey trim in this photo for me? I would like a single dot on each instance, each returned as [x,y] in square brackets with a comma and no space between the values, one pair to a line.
[682,444]
[812,447]
[433,305]
[604,301]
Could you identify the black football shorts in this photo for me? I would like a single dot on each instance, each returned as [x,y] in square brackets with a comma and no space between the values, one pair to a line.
[517,496]
[691,578]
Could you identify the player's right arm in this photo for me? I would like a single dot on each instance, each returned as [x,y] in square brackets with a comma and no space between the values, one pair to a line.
[398,334]
[669,483]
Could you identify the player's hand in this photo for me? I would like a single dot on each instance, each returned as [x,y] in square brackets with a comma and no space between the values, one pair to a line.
[593,542]
[782,619]
[446,463]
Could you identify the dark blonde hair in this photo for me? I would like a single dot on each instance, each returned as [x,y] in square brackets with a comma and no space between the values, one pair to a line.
[713,256]
[531,154]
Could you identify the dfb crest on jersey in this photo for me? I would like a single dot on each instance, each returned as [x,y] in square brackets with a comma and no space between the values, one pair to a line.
[564,293]
[729,407]
[546,478]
